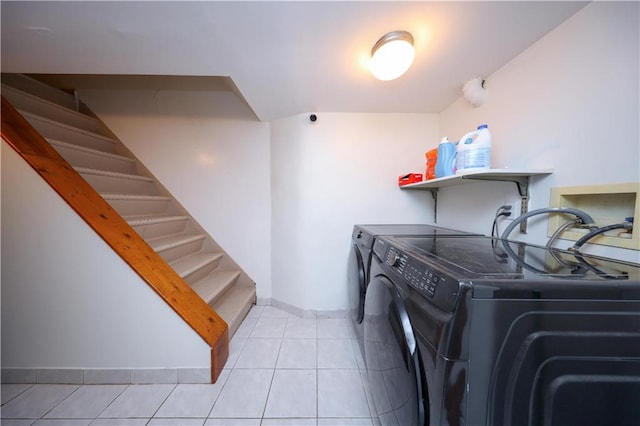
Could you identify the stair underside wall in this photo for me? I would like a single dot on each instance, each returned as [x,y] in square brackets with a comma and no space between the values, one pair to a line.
[61,285]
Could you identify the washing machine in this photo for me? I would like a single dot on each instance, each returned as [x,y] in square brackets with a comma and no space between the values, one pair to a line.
[363,237]
[478,331]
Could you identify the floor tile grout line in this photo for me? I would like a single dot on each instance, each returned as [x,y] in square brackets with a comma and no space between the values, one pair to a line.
[273,375]
[226,380]
[166,398]
[30,385]
[112,401]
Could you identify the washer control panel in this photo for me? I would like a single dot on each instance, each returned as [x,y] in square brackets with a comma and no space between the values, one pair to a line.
[417,274]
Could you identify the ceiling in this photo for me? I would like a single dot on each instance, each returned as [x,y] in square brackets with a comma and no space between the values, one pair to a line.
[284,57]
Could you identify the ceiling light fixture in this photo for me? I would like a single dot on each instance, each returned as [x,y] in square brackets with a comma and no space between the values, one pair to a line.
[392,55]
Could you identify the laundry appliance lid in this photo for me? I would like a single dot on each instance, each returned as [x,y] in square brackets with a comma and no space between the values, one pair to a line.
[485,257]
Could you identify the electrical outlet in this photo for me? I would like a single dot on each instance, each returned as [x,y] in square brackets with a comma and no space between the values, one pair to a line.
[515,209]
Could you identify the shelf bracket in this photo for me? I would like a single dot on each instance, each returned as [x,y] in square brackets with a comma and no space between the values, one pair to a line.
[522,182]
[434,194]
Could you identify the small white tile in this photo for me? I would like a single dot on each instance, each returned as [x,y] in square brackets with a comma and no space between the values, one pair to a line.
[87,402]
[292,394]
[119,422]
[59,376]
[18,375]
[297,353]
[259,353]
[336,353]
[194,400]
[244,395]
[154,376]
[335,329]
[299,328]
[176,422]
[15,422]
[271,312]
[288,422]
[62,422]
[233,422]
[10,391]
[107,377]
[246,327]
[345,421]
[272,328]
[358,354]
[138,401]
[255,311]
[194,375]
[341,394]
[331,313]
[235,347]
[36,401]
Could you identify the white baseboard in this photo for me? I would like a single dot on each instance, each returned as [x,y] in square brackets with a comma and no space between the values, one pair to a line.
[308,313]
[106,376]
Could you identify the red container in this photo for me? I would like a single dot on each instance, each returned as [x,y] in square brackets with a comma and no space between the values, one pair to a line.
[409,178]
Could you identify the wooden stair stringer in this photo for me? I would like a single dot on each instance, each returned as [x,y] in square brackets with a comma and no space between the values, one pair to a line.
[115,172]
[117,233]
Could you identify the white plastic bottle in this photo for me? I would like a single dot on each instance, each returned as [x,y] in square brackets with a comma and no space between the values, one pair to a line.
[474,151]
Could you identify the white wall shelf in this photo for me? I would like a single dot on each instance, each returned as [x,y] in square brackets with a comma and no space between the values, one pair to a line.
[520,177]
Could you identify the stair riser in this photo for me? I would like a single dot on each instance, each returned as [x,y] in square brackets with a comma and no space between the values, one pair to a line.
[202,272]
[52,111]
[139,207]
[119,185]
[174,253]
[234,306]
[64,134]
[158,229]
[234,323]
[95,161]
[213,297]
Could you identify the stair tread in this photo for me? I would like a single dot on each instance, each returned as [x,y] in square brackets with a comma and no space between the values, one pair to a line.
[165,242]
[27,114]
[89,150]
[114,196]
[191,263]
[137,220]
[99,172]
[43,100]
[215,284]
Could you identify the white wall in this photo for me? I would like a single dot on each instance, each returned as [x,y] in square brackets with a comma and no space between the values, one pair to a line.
[82,307]
[570,103]
[326,177]
[211,153]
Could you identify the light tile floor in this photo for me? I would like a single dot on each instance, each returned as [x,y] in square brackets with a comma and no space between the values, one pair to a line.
[282,370]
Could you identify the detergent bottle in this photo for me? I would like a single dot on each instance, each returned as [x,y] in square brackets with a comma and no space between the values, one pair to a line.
[474,151]
[445,165]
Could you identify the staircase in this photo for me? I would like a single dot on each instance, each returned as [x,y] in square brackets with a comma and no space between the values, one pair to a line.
[106,164]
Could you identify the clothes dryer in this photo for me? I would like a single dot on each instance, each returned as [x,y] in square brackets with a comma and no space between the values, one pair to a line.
[485,332]
[363,238]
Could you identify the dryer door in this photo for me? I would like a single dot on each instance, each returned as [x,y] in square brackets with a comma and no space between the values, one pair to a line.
[357,284]
[391,355]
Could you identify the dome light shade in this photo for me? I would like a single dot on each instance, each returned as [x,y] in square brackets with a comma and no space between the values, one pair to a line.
[392,55]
